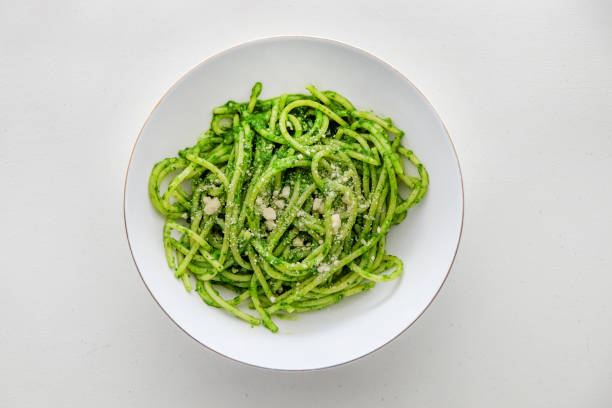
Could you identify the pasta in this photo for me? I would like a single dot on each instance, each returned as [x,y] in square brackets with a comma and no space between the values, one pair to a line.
[285,202]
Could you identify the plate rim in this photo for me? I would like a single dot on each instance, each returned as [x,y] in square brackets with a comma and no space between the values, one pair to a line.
[298,37]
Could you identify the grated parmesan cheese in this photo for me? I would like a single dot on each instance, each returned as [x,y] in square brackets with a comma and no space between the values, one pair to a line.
[211,205]
[269,213]
[335,222]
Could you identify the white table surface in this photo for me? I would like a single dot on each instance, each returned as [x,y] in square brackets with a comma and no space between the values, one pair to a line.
[525,318]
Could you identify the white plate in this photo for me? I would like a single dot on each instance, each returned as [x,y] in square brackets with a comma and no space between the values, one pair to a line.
[426,241]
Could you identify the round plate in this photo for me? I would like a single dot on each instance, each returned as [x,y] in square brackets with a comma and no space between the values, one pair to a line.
[426,241]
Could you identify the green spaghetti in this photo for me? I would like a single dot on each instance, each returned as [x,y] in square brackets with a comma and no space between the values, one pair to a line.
[286,202]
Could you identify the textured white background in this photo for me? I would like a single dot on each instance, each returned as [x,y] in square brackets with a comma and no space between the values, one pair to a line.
[525,318]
